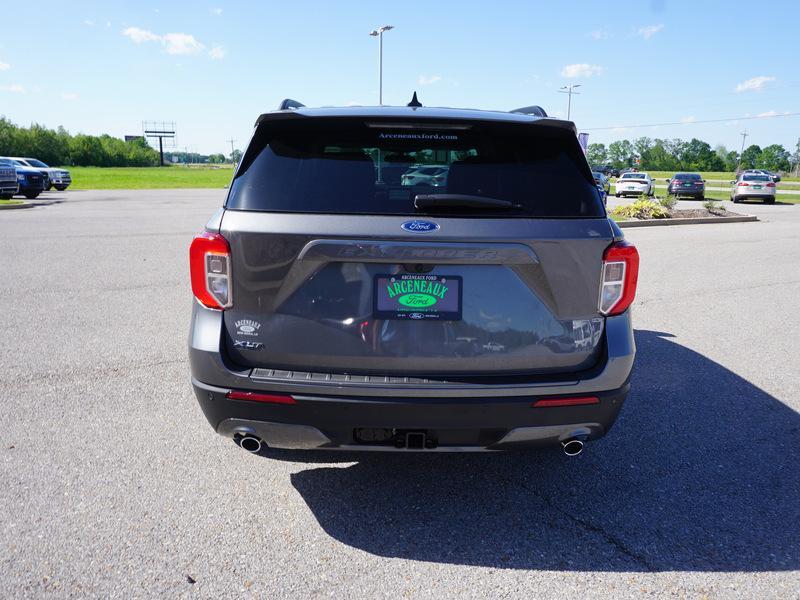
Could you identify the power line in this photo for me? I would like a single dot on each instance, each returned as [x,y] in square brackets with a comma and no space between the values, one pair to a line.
[794,114]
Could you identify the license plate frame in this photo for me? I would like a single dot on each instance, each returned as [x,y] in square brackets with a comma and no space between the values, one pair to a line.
[398,297]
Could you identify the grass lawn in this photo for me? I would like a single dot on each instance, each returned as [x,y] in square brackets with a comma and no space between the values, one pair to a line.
[10,201]
[715,176]
[140,178]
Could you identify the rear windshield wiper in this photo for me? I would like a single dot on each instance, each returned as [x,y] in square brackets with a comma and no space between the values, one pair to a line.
[423,201]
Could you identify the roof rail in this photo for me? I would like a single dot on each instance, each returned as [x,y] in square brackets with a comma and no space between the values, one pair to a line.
[289,103]
[536,111]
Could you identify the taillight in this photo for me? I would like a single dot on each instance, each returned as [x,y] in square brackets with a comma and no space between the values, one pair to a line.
[210,266]
[257,397]
[742,184]
[770,184]
[619,278]
[552,402]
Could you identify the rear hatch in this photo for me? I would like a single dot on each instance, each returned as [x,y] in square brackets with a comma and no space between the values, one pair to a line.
[342,264]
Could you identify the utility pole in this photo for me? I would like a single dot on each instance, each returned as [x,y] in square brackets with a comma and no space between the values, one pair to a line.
[569,90]
[744,135]
[232,141]
[379,34]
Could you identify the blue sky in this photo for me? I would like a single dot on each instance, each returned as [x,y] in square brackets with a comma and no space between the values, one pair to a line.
[212,67]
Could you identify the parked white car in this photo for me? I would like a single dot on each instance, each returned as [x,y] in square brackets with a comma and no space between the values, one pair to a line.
[635,184]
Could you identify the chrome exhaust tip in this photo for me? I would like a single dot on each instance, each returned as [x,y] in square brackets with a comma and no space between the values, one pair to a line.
[572,447]
[250,443]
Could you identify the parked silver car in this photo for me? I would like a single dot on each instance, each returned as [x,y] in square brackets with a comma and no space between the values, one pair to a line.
[433,175]
[56,178]
[635,184]
[337,308]
[753,186]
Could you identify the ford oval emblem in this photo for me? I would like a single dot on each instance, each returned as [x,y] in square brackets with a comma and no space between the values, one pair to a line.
[420,226]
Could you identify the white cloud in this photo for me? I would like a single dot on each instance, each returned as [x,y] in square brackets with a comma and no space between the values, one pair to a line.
[173,43]
[428,79]
[15,88]
[140,35]
[216,11]
[649,31]
[769,113]
[688,120]
[4,66]
[69,96]
[88,22]
[754,84]
[582,70]
[181,43]
[217,53]
[598,34]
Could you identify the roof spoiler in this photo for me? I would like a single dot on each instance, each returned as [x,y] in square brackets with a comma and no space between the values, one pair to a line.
[535,111]
[289,103]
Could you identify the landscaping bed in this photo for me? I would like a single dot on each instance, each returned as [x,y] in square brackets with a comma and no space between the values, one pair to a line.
[646,211]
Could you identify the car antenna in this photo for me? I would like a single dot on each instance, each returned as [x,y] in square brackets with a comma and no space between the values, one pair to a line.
[414,102]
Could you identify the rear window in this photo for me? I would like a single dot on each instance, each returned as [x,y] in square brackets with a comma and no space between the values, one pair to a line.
[757,178]
[687,177]
[347,166]
[633,176]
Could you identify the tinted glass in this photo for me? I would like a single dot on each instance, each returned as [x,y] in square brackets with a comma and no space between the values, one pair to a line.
[687,177]
[35,163]
[345,166]
[757,178]
[633,176]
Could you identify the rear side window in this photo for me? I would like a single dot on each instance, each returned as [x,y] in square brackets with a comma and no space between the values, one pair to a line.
[347,166]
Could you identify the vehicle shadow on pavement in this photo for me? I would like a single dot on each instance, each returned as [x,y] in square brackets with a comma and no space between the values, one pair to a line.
[702,473]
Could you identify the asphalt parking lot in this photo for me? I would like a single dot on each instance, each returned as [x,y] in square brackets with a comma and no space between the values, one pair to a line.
[113,483]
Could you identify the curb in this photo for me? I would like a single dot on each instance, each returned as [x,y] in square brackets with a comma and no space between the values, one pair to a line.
[16,206]
[692,221]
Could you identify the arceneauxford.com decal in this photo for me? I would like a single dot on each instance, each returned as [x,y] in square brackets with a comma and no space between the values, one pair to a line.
[417,136]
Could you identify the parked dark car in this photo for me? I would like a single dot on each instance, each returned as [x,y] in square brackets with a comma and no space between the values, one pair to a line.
[31,182]
[55,178]
[336,310]
[687,184]
[601,181]
[607,170]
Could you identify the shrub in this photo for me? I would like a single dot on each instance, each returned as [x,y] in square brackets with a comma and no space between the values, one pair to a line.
[668,202]
[713,206]
[642,209]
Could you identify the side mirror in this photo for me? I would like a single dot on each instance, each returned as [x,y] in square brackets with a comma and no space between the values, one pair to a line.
[668,180]
[704,181]
[733,181]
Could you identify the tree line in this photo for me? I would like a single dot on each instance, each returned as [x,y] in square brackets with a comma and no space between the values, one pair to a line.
[59,147]
[694,155]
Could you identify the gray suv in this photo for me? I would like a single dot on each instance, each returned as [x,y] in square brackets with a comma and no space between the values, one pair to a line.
[340,307]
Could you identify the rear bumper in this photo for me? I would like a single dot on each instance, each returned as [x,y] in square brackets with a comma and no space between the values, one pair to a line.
[8,187]
[457,416]
[316,422]
[755,194]
[696,192]
[636,192]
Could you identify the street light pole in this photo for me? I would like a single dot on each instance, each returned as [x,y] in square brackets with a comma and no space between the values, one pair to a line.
[379,34]
[569,90]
